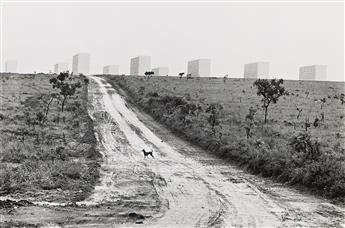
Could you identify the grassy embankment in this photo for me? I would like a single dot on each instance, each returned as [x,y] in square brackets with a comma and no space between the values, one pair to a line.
[273,150]
[52,158]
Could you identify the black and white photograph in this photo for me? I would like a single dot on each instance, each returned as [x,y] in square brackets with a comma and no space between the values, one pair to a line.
[172,113]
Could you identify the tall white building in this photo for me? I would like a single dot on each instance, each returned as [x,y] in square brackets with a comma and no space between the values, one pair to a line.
[256,70]
[81,63]
[11,66]
[199,68]
[60,67]
[314,72]
[160,71]
[111,69]
[140,64]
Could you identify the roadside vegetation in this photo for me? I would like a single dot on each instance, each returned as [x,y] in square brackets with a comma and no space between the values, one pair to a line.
[291,131]
[48,148]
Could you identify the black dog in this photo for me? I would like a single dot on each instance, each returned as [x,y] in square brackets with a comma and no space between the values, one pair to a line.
[147,153]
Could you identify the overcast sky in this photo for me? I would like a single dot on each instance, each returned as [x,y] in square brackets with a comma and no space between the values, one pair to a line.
[287,35]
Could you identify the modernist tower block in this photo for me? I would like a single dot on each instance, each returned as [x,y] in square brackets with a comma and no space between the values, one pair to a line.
[314,72]
[256,70]
[140,65]
[60,67]
[11,66]
[160,71]
[111,69]
[81,63]
[199,68]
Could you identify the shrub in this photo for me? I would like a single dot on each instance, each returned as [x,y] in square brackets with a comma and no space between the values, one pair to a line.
[303,144]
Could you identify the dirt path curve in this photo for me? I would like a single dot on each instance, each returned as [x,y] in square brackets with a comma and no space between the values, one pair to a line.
[183,190]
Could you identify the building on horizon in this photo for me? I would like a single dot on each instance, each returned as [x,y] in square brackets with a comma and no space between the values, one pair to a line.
[111,69]
[140,65]
[160,71]
[60,67]
[81,63]
[313,72]
[11,66]
[199,68]
[256,70]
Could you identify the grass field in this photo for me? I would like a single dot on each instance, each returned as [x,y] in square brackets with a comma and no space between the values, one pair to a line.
[182,105]
[52,158]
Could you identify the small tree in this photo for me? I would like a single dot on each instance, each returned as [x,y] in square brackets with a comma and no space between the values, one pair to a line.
[270,90]
[189,76]
[149,74]
[181,75]
[67,89]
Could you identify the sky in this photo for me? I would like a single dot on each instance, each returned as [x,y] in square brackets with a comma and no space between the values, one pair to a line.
[286,34]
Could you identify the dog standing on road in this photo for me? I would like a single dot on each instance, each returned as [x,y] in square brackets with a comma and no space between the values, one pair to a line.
[147,153]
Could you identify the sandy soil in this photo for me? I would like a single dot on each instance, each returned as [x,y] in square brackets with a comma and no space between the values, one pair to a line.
[183,186]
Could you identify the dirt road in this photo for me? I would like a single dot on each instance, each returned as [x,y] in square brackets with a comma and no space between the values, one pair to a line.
[183,185]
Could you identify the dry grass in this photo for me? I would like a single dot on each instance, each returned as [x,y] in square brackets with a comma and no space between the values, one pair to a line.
[53,160]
